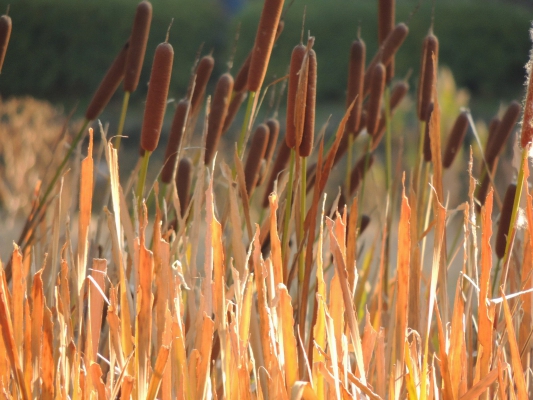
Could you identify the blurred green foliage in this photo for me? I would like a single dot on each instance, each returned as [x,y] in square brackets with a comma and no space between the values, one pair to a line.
[60,49]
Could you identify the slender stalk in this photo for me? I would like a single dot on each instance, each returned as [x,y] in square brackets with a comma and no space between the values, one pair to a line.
[245,124]
[363,183]
[303,189]
[142,178]
[349,165]
[286,220]
[122,120]
[388,140]
[496,272]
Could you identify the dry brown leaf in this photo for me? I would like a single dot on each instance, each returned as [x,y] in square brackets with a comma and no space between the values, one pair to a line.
[289,341]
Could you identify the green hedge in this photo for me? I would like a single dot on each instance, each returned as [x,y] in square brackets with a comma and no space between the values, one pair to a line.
[60,49]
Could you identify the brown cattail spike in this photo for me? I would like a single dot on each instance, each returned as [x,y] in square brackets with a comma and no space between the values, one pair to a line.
[359,170]
[306,146]
[356,79]
[255,157]
[280,164]
[138,40]
[527,120]
[481,194]
[455,139]
[219,110]
[298,55]
[386,19]
[273,128]
[203,73]
[365,221]
[376,95]
[493,128]
[503,132]
[264,41]
[427,138]
[108,85]
[174,140]
[233,108]
[430,56]
[505,220]
[156,99]
[5,33]
[183,183]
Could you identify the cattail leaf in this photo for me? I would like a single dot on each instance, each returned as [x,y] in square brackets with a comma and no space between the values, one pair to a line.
[5,33]
[289,341]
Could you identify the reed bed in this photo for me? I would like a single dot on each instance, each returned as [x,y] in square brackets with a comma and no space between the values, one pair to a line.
[234,274]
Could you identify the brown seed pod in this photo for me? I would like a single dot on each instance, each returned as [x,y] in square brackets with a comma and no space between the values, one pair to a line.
[376,95]
[297,57]
[343,146]
[430,57]
[386,19]
[174,140]
[505,220]
[233,109]
[455,140]
[493,128]
[108,85]
[203,73]
[5,33]
[255,157]
[526,136]
[306,146]
[264,41]
[156,99]
[427,138]
[282,159]
[273,129]
[481,193]
[356,79]
[359,170]
[183,183]
[503,132]
[219,110]
[138,40]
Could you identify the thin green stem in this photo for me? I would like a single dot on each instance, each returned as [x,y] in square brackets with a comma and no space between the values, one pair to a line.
[125,102]
[142,178]
[246,122]
[363,183]
[286,220]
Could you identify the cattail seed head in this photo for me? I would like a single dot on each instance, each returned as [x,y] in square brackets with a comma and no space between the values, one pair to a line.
[233,109]
[255,157]
[203,73]
[398,93]
[5,33]
[306,145]
[219,110]
[376,95]
[356,79]
[174,140]
[156,99]
[527,120]
[505,127]
[427,138]
[282,159]
[455,140]
[386,19]
[108,85]
[183,183]
[505,220]
[297,57]
[481,194]
[430,56]
[138,40]
[273,129]
[359,170]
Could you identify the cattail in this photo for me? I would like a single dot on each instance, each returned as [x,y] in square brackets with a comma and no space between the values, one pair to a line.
[233,109]
[365,221]
[156,99]
[430,56]
[137,49]
[273,129]
[359,171]
[481,194]
[183,183]
[386,19]
[108,85]
[203,73]
[527,120]
[343,146]
[455,139]
[174,140]
[298,55]
[376,95]
[241,80]
[280,164]
[387,51]
[427,138]
[255,157]
[505,220]
[5,33]
[219,110]
[505,127]
[306,145]
[356,79]
[264,41]
[493,128]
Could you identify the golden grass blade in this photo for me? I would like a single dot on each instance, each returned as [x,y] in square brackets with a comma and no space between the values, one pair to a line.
[369,341]
[98,273]
[289,341]
[157,374]
[27,361]
[518,373]
[414,273]
[364,388]
[96,376]
[351,244]
[319,334]
[480,387]
[380,365]
[444,362]
[302,390]
[457,350]
[242,189]
[336,309]
[204,345]
[37,320]
[127,387]
[47,356]
[17,300]
[275,242]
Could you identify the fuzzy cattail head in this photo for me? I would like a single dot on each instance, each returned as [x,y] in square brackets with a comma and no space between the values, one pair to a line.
[138,40]
[255,157]
[108,85]
[306,145]
[526,136]
[356,79]
[174,140]
[282,159]
[455,140]
[359,171]
[5,33]
[202,75]
[376,95]
[297,58]
[273,129]
[481,194]
[427,138]
[156,99]
[505,220]
[430,56]
[398,93]
[386,19]
[233,108]
[505,127]
[183,183]
[219,110]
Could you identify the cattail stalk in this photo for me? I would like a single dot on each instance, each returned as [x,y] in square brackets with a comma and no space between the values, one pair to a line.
[202,75]
[505,220]
[255,157]
[5,33]
[174,140]
[359,171]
